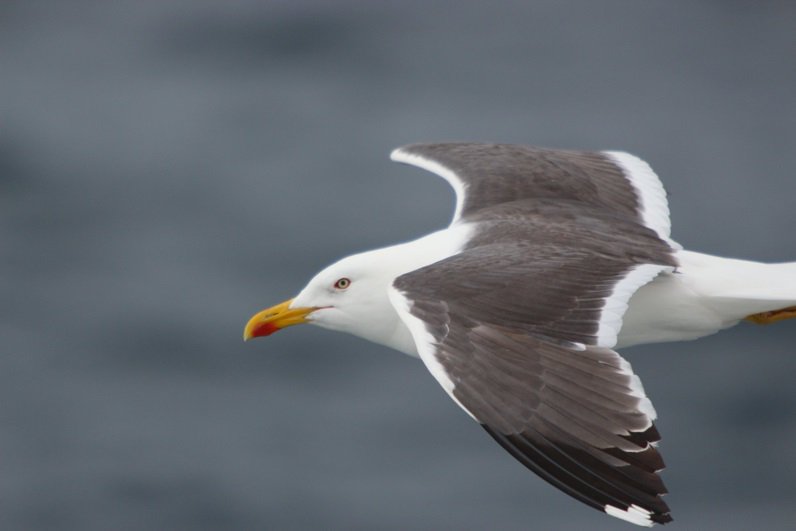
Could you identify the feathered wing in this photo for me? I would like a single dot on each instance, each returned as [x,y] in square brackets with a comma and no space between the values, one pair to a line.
[484,175]
[511,330]
[518,327]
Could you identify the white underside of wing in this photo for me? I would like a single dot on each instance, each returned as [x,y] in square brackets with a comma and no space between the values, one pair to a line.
[399,155]
[652,195]
[612,313]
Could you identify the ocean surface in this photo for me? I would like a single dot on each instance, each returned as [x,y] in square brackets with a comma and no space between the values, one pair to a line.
[169,168]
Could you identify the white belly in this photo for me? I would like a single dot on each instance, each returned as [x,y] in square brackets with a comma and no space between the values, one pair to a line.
[668,309]
[706,294]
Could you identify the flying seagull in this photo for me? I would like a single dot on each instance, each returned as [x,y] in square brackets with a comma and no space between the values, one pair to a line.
[553,260]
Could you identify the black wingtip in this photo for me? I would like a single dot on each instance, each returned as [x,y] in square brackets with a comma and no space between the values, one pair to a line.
[610,489]
[662,518]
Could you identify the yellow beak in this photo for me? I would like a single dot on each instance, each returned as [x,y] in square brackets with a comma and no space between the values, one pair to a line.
[269,321]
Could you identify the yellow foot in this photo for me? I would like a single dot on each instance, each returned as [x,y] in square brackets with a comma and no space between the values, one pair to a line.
[773,316]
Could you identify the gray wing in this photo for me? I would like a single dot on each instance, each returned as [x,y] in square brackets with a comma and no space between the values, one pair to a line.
[510,329]
[484,175]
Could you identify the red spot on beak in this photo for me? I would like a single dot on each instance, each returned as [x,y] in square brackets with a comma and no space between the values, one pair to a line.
[272,319]
[264,329]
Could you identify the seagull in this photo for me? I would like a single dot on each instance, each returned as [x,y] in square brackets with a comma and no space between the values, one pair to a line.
[553,260]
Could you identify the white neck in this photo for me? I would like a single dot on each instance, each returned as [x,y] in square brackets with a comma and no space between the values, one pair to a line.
[382,325]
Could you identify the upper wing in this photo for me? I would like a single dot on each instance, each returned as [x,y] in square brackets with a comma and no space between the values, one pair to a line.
[484,175]
[511,331]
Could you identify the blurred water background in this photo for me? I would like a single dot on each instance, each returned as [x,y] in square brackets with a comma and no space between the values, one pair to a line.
[167,168]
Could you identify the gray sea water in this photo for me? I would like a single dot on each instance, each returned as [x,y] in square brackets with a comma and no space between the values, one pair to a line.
[168,168]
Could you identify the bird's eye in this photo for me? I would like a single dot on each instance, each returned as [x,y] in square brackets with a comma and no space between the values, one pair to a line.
[342,283]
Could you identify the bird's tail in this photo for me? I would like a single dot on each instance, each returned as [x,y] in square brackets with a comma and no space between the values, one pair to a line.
[741,289]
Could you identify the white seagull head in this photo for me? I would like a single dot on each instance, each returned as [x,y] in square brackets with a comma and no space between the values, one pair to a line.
[349,296]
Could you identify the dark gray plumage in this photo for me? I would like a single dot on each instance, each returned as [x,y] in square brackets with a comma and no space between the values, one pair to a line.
[501,173]
[515,316]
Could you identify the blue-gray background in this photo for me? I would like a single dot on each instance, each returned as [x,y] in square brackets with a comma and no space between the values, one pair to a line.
[167,168]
